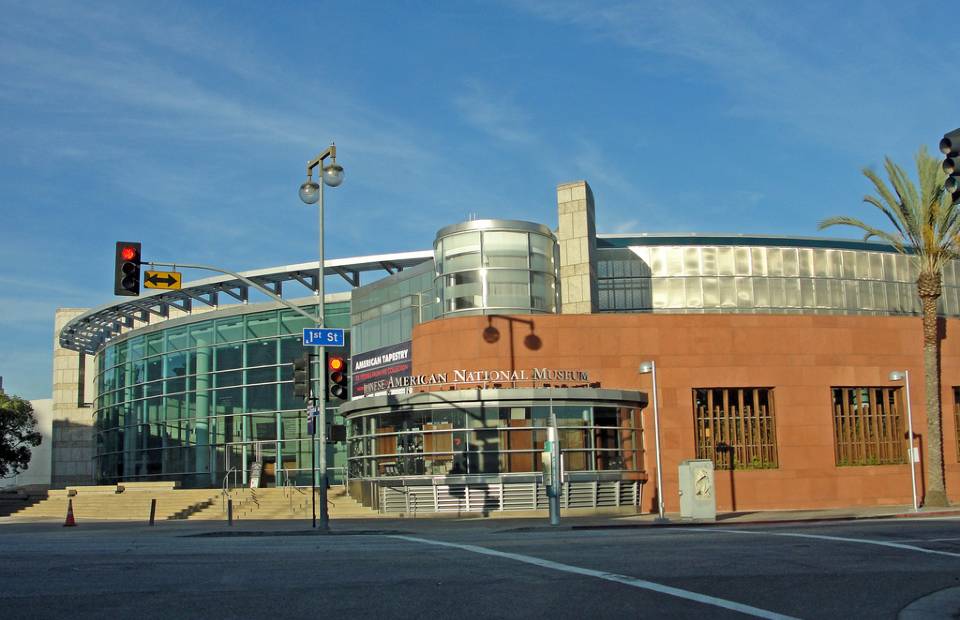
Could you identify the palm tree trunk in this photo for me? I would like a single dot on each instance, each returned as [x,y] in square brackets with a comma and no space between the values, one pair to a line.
[936,494]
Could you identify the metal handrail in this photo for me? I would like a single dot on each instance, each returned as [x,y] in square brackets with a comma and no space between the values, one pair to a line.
[225,493]
[287,485]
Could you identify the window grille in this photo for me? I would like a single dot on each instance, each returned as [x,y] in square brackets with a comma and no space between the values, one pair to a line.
[867,426]
[735,427]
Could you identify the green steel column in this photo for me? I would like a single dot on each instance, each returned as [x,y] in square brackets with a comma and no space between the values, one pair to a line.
[129,436]
[202,414]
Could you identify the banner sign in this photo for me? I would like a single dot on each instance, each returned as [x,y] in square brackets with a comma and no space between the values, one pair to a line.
[389,370]
[382,371]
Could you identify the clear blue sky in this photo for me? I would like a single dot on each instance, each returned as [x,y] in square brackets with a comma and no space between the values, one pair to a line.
[187,125]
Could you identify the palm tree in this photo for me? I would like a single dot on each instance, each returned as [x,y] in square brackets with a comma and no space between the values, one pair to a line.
[927,227]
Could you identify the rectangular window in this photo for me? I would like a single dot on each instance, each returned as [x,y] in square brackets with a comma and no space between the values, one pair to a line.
[505,249]
[735,427]
[867,426]
[460,252]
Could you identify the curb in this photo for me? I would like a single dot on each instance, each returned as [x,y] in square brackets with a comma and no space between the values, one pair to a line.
[691,523]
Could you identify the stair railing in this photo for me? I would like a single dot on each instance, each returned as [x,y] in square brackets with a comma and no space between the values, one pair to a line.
[225,493]
[287,486]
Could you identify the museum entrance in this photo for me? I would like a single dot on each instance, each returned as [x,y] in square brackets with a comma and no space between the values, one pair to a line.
[263,469]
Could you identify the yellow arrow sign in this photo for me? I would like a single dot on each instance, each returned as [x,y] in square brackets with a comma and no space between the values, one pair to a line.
[162,279]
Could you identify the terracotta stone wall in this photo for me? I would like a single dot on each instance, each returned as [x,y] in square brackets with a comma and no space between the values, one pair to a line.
[801,357]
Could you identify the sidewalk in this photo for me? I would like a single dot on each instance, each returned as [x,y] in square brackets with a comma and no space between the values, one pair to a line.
[473,521]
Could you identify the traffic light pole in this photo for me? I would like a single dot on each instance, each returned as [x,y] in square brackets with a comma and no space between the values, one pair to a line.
[311,193]
[313,465]
[321,391]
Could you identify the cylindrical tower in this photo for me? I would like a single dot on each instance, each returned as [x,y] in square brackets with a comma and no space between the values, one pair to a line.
[496,266]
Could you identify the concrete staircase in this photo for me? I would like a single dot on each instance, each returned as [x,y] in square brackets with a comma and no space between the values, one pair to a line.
[131,502]
[123,502]
[342,506]
[285,503]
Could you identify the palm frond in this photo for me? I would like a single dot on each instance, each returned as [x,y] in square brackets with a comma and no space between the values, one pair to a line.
[924,222]
[869,231]
[890,215]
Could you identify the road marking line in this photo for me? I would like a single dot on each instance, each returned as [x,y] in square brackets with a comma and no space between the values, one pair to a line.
[614,577]
[863,541]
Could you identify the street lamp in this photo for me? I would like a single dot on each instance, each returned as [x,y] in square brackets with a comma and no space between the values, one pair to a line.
[651,368]
[311,192]
[904,375]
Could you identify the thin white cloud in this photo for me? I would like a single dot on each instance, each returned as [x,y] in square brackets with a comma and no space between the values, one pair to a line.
[35,285]
[18,311]
[629,226]
[493,112]
[826,72]
[115,81]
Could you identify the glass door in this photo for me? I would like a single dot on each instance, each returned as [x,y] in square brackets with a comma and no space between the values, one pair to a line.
[265,460]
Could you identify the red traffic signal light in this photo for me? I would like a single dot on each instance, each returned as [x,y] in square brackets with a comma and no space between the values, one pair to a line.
[126,272]
[336,377]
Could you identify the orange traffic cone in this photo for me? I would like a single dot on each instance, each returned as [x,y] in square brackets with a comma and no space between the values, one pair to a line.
[70,522]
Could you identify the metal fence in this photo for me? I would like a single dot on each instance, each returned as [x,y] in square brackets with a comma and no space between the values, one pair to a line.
[505,496]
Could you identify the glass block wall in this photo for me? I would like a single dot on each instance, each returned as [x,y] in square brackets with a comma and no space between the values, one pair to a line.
[751,276]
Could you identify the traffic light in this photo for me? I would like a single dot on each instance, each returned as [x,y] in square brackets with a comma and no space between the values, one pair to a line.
[126,273]
[950,146]
[301,376]
[336,432]
[337,389]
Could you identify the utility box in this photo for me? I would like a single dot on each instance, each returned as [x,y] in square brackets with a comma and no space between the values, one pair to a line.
[698,498]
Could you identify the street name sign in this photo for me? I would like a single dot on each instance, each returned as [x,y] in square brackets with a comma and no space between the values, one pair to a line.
[162,279]
[323,337]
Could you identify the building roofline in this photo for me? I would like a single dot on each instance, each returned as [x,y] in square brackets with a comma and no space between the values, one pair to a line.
[605,241]
[511,225]
[88,332]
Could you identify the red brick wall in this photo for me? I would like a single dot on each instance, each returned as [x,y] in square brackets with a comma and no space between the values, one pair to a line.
[801,357]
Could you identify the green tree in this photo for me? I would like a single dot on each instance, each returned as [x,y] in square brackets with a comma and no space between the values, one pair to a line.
[926,227]
[18,433]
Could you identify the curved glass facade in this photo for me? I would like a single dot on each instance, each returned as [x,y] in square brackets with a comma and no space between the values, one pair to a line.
[496,266]
[492,432]
[194,399]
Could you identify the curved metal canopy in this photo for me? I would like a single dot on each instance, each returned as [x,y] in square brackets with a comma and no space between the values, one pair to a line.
[88,332]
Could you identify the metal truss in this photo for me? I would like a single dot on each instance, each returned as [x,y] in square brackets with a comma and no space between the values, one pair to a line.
[90,331]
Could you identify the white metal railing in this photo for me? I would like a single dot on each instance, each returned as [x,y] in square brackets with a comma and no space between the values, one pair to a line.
[504,496]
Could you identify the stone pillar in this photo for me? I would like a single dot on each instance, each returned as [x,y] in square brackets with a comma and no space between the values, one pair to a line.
[577,235]
[73,445]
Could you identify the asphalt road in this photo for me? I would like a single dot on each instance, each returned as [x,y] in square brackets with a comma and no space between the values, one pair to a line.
[501,569]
